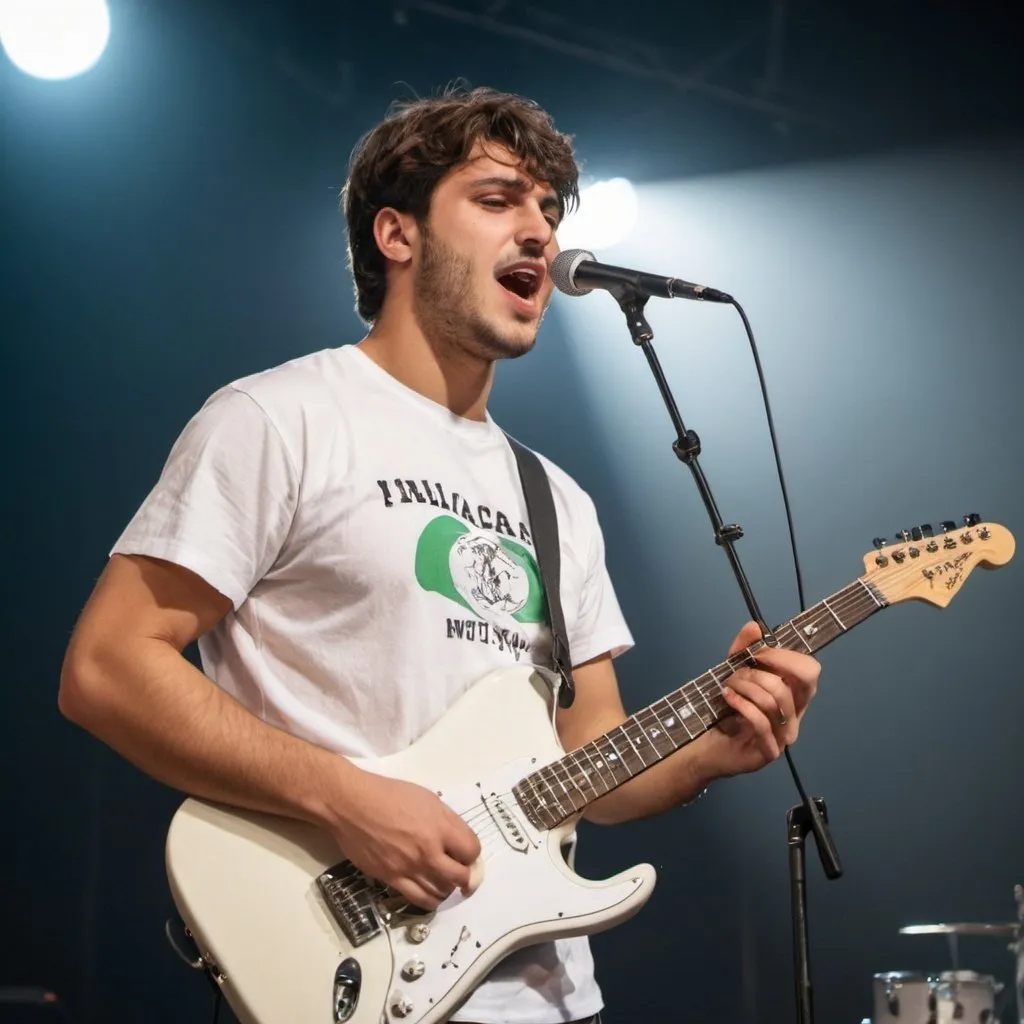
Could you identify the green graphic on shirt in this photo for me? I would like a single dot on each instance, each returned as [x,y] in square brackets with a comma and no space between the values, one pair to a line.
[495,578]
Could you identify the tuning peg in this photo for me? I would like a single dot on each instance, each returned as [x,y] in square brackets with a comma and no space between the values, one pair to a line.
[972,519]
[926,530]
[915,533]
[946,525]
[880,542]
[903,536]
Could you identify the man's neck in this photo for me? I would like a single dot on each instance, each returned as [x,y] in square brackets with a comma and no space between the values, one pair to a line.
[443,373]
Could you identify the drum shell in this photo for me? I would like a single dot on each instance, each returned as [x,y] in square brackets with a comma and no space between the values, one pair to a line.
[903,997]
[950,997]
[965,997]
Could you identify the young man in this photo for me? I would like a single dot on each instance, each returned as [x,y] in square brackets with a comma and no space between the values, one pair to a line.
[320,526]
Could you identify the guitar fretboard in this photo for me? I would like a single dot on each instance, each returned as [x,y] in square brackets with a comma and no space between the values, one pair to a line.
[560,789]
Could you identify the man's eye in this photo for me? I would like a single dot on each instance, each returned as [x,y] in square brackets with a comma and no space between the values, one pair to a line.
[494,202]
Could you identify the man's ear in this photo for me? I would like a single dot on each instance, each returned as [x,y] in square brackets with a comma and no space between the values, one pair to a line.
[396,234]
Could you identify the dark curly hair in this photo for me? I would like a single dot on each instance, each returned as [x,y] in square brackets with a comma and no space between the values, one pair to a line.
[400,162]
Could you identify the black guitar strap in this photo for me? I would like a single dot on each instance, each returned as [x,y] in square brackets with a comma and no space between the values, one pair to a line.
[540,507]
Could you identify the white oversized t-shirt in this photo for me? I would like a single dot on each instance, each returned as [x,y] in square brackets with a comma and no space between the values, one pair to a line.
[378,556]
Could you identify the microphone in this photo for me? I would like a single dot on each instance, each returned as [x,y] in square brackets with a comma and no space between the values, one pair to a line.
[577,272]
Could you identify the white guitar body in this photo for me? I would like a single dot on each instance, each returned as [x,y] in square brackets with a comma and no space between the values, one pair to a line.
[246,883]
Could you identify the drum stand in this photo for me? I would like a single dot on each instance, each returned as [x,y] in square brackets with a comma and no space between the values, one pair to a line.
[810,814]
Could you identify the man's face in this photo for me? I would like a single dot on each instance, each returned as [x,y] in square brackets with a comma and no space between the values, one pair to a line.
[483,281]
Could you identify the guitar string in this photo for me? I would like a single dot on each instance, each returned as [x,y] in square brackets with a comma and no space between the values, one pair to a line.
[849,598]
[648,718]
[852,597]
[705,685]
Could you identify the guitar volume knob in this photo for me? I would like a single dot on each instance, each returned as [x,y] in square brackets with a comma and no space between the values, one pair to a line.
[400,1006]
[417,932]
[413,969]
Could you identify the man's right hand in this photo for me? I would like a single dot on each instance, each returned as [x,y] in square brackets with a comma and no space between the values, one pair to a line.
[405,836]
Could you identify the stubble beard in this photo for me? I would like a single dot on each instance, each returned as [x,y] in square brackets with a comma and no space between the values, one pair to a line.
[447,312]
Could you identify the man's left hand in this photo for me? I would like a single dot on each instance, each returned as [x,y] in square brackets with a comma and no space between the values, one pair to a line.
[769,702]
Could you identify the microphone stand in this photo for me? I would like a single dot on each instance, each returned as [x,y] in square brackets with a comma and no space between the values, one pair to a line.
[809,815]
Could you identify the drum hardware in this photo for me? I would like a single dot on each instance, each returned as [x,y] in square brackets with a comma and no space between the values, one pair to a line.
[907,997]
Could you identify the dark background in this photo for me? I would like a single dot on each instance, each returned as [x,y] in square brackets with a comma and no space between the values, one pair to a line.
[852,172]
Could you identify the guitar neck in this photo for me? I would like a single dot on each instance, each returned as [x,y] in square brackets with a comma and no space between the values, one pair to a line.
[560,789]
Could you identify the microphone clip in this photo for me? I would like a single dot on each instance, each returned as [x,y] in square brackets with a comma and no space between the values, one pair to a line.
[632,302]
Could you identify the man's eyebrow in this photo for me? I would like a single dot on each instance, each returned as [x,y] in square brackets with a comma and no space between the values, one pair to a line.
[549,201]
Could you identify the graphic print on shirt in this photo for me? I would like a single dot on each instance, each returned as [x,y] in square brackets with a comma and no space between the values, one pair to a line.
[493,577]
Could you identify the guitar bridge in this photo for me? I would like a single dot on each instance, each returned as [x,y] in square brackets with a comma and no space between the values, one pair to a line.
[350,897]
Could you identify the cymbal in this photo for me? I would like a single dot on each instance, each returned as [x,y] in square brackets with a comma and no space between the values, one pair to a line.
[963,928]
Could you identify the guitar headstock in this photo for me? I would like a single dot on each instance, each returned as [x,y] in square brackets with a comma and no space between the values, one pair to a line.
[932,567]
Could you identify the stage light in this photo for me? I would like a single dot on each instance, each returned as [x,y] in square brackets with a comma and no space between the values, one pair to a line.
[606,215]
[54,39]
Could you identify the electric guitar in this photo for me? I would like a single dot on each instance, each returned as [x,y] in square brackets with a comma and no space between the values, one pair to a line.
[290,933]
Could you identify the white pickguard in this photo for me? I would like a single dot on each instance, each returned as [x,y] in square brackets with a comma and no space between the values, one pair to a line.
[245,883]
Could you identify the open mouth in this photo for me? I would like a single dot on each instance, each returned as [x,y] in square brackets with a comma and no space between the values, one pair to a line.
[522,279]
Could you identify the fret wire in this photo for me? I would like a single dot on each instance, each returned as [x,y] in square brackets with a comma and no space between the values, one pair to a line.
[864,584]
[661,722]
[683,716]
[661,726]
[620,748]
[800,636]
[551,794]
[549,776]
[583,771]
[531,781]
[678,719]
[618,756]
[552,769]
[632,742]
[700,690]
[572,770]
[855,602]
[654,731]
[586,753]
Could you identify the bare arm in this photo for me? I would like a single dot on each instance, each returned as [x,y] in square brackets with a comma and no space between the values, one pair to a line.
[125,680]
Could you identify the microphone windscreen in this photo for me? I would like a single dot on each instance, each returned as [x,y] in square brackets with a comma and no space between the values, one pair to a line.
[563,270]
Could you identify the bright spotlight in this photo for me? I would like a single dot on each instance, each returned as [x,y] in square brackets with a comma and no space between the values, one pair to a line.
[606,215]
[54,38]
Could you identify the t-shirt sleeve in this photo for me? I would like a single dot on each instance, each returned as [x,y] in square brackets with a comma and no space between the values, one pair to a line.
[225,499]
[599,625]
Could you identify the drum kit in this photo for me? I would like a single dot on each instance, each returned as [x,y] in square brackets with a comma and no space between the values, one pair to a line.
[907,997]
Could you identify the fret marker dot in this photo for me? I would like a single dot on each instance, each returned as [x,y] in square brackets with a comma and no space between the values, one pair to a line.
[810,630]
